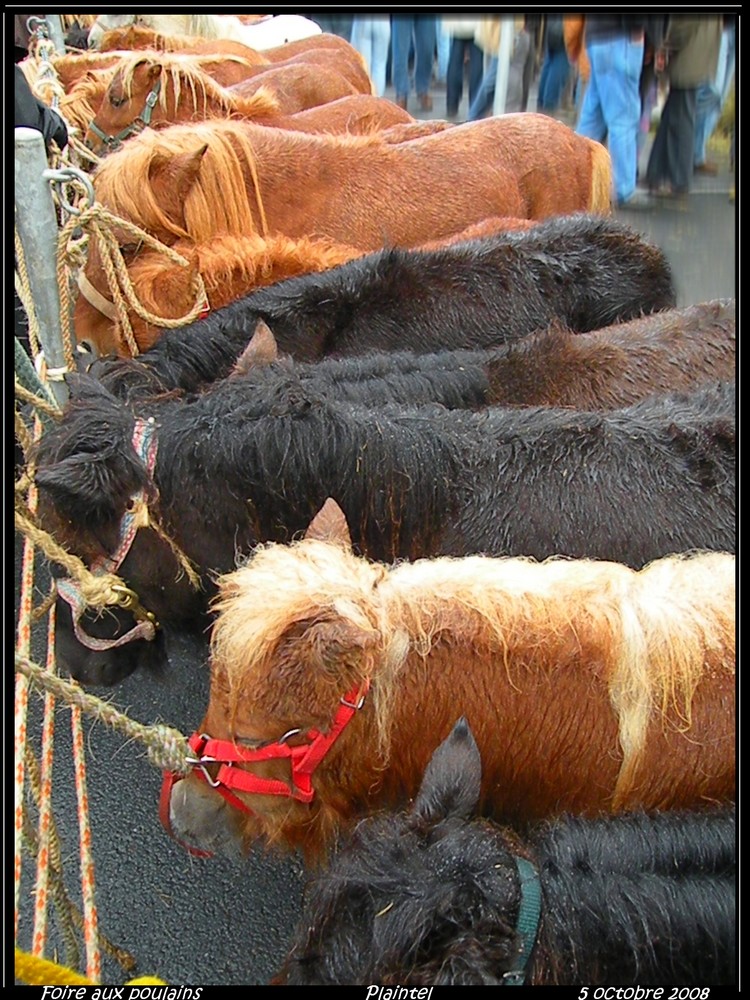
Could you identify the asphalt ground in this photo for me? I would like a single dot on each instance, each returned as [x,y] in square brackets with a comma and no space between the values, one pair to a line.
[220,921]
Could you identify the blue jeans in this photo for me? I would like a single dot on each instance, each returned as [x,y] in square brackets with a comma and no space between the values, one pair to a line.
[422,29]
[455,79]
[552,80]
[712,96]
[612,106]
[371,37]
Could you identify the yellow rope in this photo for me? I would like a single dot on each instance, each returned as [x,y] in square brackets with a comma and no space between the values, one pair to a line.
[36,971]
[100,223]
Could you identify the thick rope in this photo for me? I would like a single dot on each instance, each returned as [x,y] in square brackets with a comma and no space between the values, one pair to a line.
[37,401]
[23,648]
[100,222]
[98,591]
[23,289]
[166,747]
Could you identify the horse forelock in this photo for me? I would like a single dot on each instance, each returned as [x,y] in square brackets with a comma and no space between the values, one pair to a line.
[215,202]
[121,182]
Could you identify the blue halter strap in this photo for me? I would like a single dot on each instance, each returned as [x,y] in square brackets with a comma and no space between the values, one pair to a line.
[528,920]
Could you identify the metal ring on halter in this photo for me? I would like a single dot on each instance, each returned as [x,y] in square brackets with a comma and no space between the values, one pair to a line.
[70,175]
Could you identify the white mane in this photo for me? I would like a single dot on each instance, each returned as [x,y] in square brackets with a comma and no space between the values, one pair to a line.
[262,35]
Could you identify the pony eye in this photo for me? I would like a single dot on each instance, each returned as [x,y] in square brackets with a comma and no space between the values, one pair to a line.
[116,102]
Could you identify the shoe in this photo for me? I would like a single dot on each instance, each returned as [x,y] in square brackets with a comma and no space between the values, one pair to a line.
[451,112]
[425,102]
[708,168]
[638,200]
[400,102]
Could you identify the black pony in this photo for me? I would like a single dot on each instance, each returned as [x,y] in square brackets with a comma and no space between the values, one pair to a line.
[584,272]
[235,468]
[432,896]
[670,350]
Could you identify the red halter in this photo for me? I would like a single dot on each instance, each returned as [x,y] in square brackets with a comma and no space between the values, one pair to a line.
[303,758]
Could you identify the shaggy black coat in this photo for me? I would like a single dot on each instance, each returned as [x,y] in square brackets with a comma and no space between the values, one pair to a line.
[236,468]
[432,896]
[585,272]
[600,370]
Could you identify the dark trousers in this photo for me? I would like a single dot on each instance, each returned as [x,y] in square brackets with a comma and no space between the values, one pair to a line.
[671,159]
[454,83]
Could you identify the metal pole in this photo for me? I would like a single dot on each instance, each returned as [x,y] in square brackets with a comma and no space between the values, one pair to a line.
[503,65]
[37,229]
[56,33]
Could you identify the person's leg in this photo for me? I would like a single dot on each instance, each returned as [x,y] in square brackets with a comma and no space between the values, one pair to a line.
[682,135]
[485,94]
[557,78]
[476,64]
[591,121]
[707,111]
[514,93]
[454,81]
[425,41]
[618,74]
[527,74]
[380,27]
[542,88]
[402,28]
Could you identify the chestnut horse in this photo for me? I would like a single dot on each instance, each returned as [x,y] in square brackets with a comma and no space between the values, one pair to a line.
[218,177]
[437,895]
[228,176]
[589,687]
[136,37]
[172,87]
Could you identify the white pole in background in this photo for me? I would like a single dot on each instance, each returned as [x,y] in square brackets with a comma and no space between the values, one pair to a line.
[503,65]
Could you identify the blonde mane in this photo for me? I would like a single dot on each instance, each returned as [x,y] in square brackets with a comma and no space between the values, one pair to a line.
[212,206]
[659,630]
[185,70]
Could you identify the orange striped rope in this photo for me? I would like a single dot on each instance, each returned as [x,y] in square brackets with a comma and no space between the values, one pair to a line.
[90,919]
[41,891]
[23,645]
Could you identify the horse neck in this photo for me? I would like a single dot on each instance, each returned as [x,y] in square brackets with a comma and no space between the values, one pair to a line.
[635,898]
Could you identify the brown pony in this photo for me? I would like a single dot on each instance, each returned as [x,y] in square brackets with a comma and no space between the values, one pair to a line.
[225,177]
[590,687]
[151,89]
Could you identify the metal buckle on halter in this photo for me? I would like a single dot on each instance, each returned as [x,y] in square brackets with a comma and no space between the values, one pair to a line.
[128,600]
[199,763]
[349,704]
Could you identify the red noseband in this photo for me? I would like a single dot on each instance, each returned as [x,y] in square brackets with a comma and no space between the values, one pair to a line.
[303,758]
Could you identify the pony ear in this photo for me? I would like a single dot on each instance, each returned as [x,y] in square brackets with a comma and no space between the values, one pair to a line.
[260,351]
[329,525]
[452,779]
[177,174]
